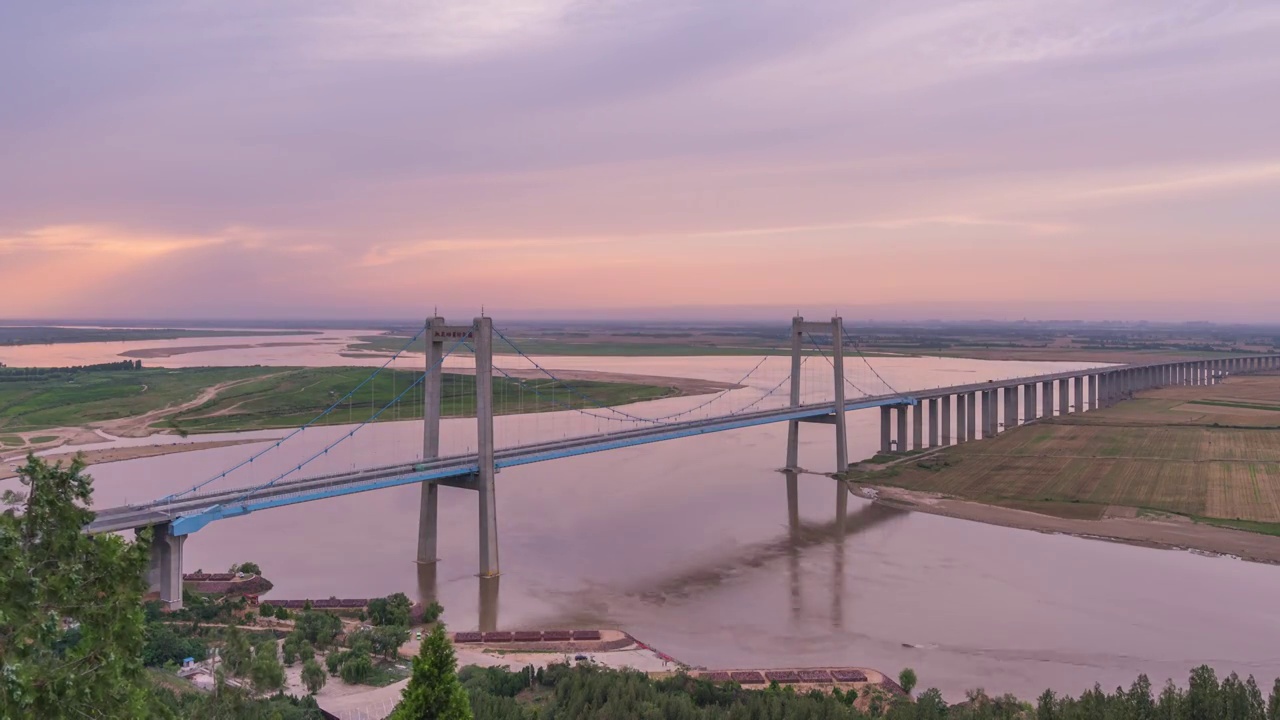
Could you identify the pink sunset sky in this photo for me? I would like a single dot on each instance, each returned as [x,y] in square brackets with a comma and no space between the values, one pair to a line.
[616,158]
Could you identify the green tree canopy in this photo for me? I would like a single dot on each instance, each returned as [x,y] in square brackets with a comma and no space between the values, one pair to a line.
[391,610]
[55,579]
[434,692]
[313,676]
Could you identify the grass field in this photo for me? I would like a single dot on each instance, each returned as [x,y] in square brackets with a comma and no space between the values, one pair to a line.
[299,395]
[1203,452]
[269,397]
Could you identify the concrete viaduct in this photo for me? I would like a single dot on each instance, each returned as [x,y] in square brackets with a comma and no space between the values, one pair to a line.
[982,410]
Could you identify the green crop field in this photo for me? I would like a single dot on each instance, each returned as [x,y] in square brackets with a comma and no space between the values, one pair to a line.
[299,395]
[85,398]
[1219,463]
[256,397]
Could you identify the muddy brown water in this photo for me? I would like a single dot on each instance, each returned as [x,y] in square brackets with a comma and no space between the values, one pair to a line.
[692,546]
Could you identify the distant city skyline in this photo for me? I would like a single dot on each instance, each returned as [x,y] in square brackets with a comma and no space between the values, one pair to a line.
[999,159]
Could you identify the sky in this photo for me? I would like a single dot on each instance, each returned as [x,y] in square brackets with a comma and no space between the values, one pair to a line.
[1064,159]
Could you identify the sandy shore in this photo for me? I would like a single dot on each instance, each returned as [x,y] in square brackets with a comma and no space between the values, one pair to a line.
[107,455]
[164,352]
[1170,532]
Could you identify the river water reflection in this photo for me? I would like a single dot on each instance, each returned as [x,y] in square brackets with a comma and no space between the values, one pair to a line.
[704,549]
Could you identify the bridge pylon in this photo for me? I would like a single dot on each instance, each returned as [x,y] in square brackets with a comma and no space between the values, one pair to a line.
[480,332]
[834,328]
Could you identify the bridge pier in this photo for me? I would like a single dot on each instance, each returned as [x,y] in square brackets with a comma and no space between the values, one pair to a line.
[971,405]
[1093,392]
[1079,396]
[988,414]
[917,427]
[946,419]
[1046,397]
[484,421]
[429,504]
[962,427]
[164,566]
[900,416]
[1064,396]
[1010,407]
[933,422]
[886,437]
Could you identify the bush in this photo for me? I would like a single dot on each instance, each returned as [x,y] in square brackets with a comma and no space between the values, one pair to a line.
[907,679]
[248,568]
[356,669]
[163,645]
[432,612]
[313,676]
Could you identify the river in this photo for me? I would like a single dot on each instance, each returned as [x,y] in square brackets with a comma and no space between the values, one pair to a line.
[688,545]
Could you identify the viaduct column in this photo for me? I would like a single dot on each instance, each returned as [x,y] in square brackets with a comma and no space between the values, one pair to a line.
[1010,407]
[901,416]
[962,427]
[1029,411]
[1093,392]
[988,414]
[1046,394]
[946,419]
[933,422]
[886,439]
[1079,393]
[428,508]
[484,448]
[917,427]
[1064,396]
[971,405]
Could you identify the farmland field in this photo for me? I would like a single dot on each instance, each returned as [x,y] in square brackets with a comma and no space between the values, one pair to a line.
[1207,453]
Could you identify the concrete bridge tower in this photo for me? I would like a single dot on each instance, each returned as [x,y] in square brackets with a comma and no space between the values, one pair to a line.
[834,328]
[480,333]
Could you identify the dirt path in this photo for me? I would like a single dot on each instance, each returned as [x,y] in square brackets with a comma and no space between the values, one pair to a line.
[140,425]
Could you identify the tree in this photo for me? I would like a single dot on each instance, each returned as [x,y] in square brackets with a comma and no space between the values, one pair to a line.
[391,610]
[318,628]
[267,610]
[313,676]
[387,640]
[931,706]
[237,652]
[163,645]
[433,690]
[1203,700]
[248,568]
[432,612]
[266,673]
[907,679]
[1273,702]
[357,668]
[54,578]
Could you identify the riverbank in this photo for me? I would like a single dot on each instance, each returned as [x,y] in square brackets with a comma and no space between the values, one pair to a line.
[8,462]
[1158,531]
[1183,467]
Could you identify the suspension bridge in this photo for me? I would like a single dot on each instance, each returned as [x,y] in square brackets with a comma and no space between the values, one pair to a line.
[809,386]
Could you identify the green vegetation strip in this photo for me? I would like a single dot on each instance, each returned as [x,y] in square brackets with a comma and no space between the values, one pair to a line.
[258,398]
[1235,404]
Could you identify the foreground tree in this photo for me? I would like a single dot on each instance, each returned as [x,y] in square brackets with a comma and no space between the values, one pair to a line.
[907,679]
[71,620]
[313,676]
[434,692]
